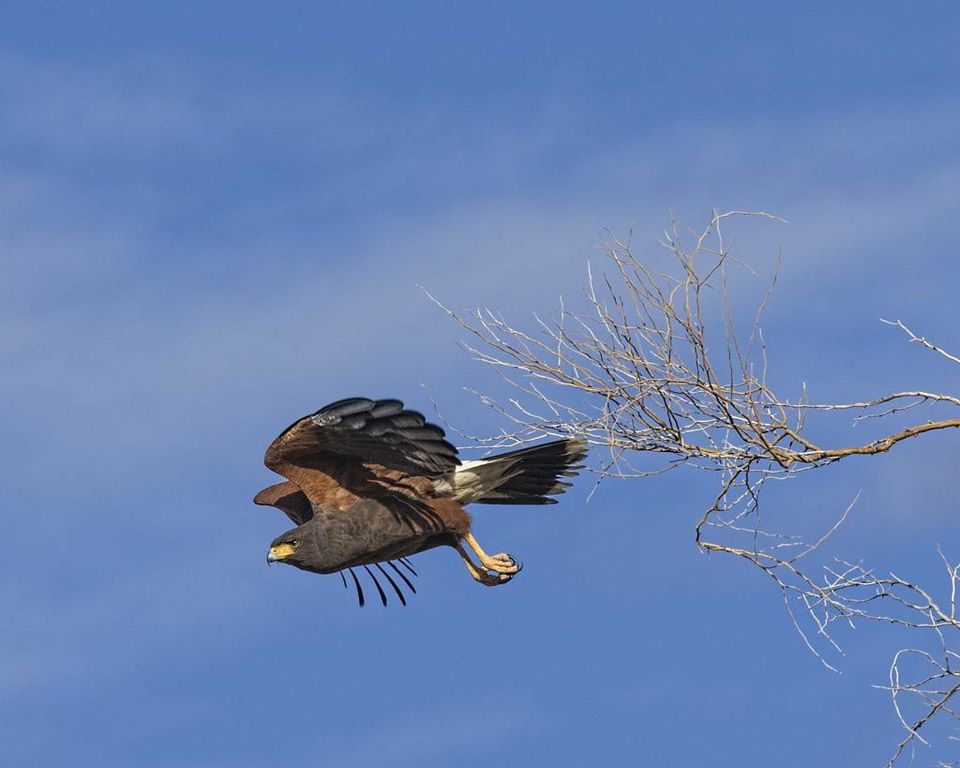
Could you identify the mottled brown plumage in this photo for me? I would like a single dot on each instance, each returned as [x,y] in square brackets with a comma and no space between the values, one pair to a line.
[369,482]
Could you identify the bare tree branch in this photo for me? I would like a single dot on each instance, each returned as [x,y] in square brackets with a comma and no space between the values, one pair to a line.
[655,364]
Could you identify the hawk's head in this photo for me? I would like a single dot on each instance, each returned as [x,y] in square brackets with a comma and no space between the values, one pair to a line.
[302,547]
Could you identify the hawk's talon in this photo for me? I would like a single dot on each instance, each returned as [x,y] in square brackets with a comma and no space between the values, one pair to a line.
[494,579]
[499,563]
[481,574]
[502,563]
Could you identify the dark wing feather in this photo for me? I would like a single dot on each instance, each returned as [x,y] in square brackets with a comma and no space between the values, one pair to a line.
[383,572]
[370,431]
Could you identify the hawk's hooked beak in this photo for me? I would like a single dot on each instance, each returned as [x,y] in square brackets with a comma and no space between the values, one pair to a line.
[279,552]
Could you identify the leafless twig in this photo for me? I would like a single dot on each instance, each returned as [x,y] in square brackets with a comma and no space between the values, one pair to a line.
[654,364]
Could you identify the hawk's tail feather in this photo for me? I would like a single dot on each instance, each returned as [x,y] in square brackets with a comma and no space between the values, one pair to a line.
[525,476]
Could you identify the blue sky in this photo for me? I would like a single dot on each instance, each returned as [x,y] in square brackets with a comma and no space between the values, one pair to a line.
[214,218]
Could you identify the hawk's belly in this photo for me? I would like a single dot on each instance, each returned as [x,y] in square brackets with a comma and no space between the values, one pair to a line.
[372,531]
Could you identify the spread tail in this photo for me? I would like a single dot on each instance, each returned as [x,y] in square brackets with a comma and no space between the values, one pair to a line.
[526,476]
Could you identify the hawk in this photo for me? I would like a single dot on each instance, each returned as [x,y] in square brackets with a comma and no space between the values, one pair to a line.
[370,483]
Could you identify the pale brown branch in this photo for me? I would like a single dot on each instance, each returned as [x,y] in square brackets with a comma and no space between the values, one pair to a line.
[651,361]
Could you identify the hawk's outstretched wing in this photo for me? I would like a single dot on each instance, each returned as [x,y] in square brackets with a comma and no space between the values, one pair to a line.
[358,448]
[377,432]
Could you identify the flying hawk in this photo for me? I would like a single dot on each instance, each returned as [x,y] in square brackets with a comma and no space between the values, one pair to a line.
[370,483]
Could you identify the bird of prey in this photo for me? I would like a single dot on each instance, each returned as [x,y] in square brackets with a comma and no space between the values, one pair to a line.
[370,483]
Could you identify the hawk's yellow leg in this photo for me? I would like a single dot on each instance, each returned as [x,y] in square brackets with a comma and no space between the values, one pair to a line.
[499,563]
[480,575]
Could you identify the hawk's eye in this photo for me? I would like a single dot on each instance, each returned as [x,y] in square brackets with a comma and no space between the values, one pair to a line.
[295,543]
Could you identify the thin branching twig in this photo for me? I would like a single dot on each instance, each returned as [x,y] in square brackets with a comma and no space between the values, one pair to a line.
[654,365]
